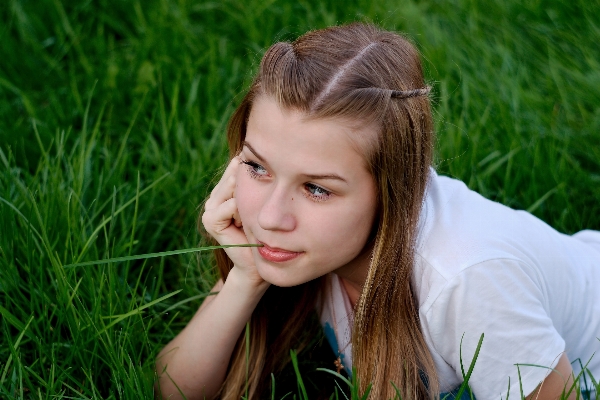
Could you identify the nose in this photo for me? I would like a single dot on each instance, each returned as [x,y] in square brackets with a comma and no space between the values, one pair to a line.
[276,212]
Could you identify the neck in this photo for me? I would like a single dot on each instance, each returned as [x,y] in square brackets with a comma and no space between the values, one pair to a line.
[353,290]
[354,274]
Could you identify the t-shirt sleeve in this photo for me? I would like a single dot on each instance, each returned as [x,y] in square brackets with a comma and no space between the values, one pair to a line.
[503,300]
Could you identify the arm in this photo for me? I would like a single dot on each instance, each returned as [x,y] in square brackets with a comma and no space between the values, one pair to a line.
[195,362]
[559,380]
[197,359]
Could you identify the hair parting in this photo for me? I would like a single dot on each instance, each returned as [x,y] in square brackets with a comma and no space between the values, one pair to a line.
[339,74]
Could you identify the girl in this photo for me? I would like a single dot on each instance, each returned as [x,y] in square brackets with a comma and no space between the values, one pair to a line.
[331,177]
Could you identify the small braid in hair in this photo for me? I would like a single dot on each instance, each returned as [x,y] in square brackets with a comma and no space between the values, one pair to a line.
[405,94]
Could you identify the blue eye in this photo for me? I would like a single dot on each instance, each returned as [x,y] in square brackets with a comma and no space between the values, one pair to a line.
[255,170]
[317,192]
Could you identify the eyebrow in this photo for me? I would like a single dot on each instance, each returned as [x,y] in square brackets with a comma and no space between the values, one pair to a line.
[309,176]
[246,144]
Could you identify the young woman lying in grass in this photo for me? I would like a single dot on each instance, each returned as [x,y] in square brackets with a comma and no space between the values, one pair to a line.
[331,173]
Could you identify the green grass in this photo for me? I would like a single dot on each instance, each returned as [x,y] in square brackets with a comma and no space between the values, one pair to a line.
[111,131]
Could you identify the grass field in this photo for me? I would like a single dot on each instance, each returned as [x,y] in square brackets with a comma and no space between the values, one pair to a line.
[112,116]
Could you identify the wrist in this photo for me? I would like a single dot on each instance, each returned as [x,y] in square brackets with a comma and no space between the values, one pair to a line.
[245,284]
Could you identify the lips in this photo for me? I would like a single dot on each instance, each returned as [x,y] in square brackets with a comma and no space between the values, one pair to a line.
[276,255]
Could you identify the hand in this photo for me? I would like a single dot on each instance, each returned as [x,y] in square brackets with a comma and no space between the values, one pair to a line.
[222,221]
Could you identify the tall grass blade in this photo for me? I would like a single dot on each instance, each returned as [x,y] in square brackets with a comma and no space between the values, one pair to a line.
[303,394]
[398,394]
[272,386]
[13,351]
[337,375]
[532,208]
[123,207]
[138,310]
[465,384]
[520,382]
[153,255]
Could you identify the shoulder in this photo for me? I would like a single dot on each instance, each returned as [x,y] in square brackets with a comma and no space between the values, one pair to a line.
[459,228]
[491,283]
[466,241]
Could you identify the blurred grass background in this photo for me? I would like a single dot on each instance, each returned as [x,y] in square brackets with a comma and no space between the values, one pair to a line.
[112,116]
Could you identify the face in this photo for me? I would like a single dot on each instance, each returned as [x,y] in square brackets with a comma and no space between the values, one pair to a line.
[305,193]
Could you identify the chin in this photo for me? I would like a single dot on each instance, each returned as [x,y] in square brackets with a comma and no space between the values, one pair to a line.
[281,281]
[285,284]
[278,277]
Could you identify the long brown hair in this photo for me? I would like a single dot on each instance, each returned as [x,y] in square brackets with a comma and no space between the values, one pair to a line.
[354,72]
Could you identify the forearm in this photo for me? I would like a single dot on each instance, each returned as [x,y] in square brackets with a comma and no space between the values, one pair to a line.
[559,381]
[196,360]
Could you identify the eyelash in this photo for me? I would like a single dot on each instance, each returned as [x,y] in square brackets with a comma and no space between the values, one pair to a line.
[324,197]
[252,167]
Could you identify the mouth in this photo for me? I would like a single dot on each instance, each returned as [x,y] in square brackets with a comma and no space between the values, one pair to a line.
[275,254]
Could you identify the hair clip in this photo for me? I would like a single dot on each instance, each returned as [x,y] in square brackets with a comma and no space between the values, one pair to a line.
[404,94]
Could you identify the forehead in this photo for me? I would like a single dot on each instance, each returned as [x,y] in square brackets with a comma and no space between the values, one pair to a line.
[291,131]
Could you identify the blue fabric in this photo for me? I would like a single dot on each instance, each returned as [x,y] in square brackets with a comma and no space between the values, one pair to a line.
[466,395]
[330,335]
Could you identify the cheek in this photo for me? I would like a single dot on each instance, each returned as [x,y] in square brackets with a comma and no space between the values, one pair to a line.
[357,229]
[246,196]
[347,230]
[361,213]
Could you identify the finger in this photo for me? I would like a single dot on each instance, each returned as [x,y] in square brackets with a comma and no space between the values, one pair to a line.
[221,193]
[220,223]
[231,169]
[226,186]
[237,221]
[217,219]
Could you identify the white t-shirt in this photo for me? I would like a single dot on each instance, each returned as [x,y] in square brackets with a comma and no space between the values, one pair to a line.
[482,267]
